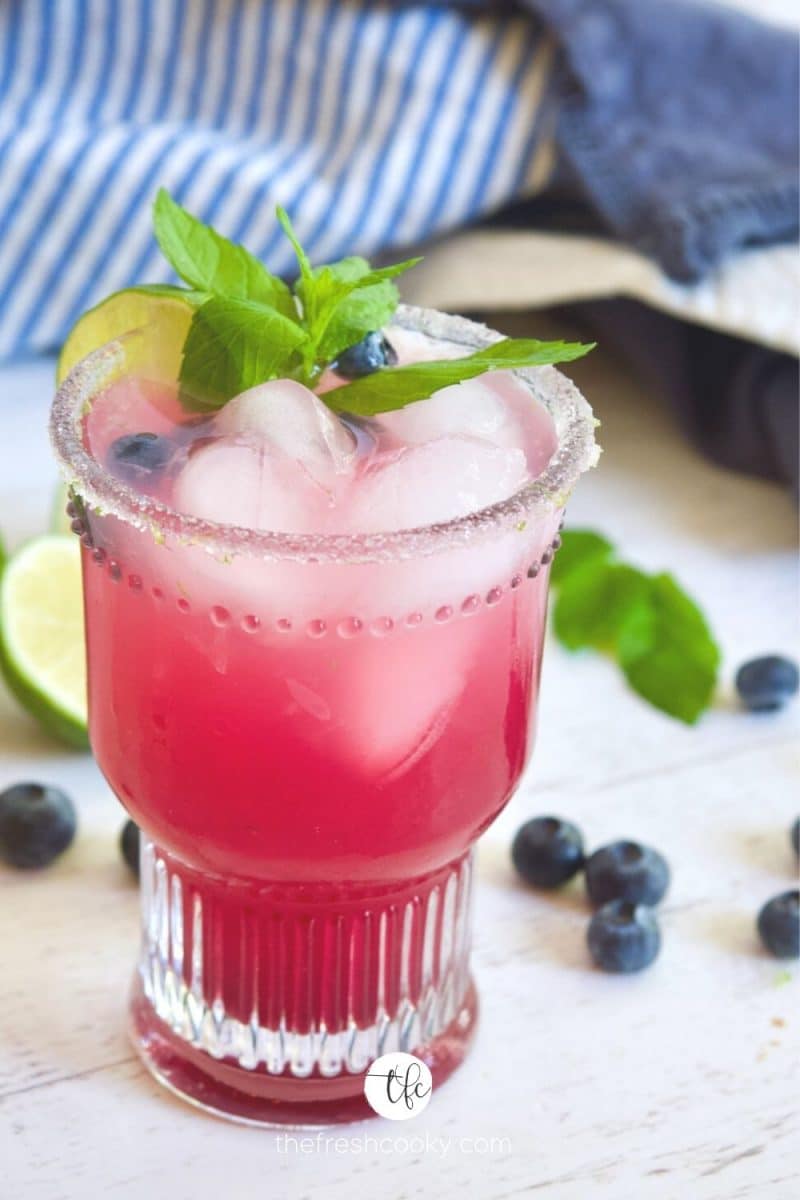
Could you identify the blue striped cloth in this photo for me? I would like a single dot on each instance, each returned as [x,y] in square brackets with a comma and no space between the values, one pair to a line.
[373,124]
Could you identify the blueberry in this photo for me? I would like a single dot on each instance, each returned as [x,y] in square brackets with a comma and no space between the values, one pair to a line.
[367,356]
[623,937]
[547,851]
[129,845]
[137,455]
[779,925]
[37,823]
[794,834]
[766,684]
[626,871]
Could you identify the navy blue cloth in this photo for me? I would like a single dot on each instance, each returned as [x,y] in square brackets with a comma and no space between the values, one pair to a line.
[737,401]
[678,129]
[679,124]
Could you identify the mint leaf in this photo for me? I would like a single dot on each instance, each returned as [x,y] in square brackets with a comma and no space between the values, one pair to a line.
[231,346]
[656,632]
[333,282]
[395,387]
[353,267]
[367,308]
[342,301]
[578,547]
[379,274]
[211,263]
[347,305]
[306,270]
[595,602]
[667,652]
[364,310]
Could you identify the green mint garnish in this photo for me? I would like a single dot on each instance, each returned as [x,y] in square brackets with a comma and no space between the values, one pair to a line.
[249,326]
[211,264]
[656,632]
[340,302]
[231,346]
[395,387]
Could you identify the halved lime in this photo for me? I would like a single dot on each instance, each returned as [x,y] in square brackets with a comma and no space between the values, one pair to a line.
[167,308]
[42,652]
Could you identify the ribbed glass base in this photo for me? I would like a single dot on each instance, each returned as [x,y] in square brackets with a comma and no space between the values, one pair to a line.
[266,1003]
[225,1089]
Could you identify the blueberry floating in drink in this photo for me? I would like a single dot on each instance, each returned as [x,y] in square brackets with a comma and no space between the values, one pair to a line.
[135,456]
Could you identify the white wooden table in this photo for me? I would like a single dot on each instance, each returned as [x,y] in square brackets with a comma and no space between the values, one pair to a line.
[680,1082]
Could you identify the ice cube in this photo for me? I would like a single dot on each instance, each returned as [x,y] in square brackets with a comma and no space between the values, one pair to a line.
[427,674]
[241,480]
[497,406]
[422,485]
[430,594]
[473,408]
[533,422]
[412,346]
[296,423]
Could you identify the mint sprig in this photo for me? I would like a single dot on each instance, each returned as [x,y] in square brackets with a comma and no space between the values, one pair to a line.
[211,264]
[249,326]
[656,632]
[340,302]
[396,387]
[370,300]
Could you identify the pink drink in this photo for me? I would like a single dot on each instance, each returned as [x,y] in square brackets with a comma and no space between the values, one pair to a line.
[313,727]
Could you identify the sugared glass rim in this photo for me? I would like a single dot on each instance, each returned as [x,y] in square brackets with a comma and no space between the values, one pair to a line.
[100,490]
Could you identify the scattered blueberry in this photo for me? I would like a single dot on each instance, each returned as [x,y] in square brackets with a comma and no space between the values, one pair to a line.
[37,823]
[766,684]
[779,925]
[623,937]
[367,356]
[626,871]
[794,834]
[137,455]
[547,851]
[129,845]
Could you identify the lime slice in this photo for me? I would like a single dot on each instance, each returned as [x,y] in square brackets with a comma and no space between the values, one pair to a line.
[167,308]
[42,651]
